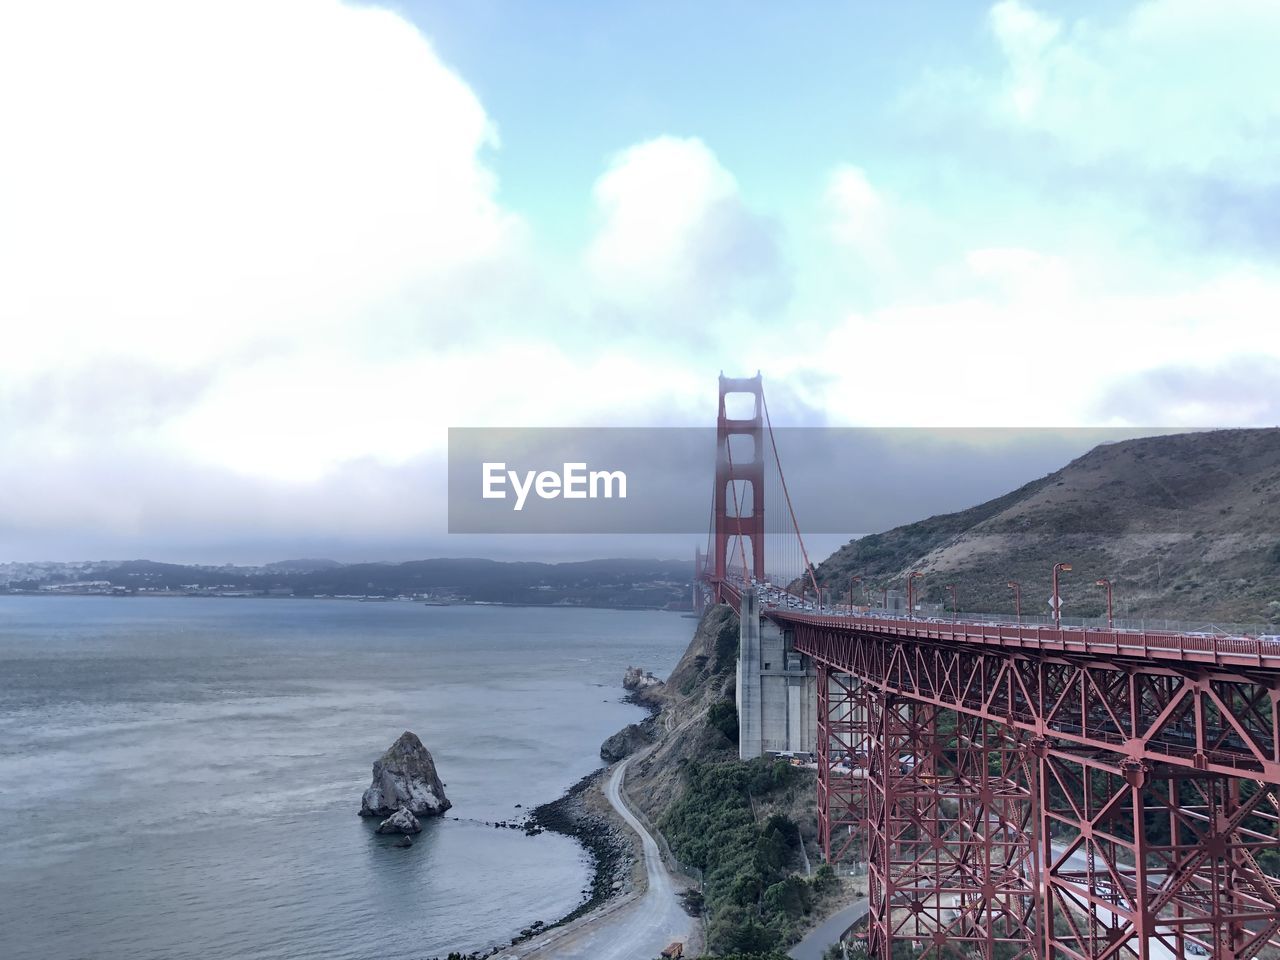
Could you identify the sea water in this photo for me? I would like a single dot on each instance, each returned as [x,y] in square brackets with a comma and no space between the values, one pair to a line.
[179,777]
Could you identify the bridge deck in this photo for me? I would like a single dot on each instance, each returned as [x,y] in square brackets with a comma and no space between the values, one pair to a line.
[1237,652]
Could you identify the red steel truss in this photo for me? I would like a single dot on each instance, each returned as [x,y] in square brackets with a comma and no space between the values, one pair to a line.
[844,751]
[1044,800]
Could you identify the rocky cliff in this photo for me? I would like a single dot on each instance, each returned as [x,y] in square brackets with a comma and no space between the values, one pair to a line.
[627,741]
[703,677]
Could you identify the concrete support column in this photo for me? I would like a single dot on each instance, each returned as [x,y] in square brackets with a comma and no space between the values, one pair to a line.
[748,688]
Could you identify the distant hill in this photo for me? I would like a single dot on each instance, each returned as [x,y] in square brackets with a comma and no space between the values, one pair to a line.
[601,583]
[1186,526]
[306,565]
[647,583]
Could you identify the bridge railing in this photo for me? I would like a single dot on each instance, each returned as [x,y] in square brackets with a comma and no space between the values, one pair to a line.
[1156,644]
[1211,637]
[1205,628]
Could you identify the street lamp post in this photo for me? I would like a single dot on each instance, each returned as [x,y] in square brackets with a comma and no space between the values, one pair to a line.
[954,606]
[911,593]
[1104,582]
[1057,601]
[1017,599]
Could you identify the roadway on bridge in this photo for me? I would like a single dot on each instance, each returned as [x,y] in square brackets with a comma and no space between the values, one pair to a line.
[635,928]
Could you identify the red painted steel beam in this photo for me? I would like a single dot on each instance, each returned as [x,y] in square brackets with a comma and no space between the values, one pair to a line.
[1056,807]
[728,524]
[1220,722]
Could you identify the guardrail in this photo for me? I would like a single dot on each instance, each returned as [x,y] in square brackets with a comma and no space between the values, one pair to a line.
[1242,651]
[1083,635]
[664,850]
[691,872]
[790,603]
[1130,624]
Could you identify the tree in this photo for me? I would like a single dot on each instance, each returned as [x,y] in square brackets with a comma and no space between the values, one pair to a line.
[723,716]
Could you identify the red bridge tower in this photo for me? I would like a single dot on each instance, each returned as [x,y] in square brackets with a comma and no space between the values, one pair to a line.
[732,518]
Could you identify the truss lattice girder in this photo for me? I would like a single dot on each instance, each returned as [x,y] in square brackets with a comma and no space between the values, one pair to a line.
[951,856]
[1211,721]
[1029,821]
[843,761]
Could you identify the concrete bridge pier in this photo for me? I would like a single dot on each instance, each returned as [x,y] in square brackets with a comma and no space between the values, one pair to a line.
[777,689]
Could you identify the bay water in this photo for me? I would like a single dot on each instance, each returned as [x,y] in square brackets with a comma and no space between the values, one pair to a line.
[179,777]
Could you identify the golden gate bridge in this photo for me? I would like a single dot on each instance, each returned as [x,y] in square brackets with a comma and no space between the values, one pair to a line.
[1016,789]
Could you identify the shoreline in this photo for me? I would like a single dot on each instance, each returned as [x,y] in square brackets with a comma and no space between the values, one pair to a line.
[237,596]
[610,852]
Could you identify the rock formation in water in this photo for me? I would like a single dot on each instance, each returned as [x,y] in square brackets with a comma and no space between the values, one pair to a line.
[404,778]
[402,821]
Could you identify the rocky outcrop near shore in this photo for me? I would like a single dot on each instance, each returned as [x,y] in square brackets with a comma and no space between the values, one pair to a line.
[644,689]
[405,778]
[626,741]
[402,821]
[637,678]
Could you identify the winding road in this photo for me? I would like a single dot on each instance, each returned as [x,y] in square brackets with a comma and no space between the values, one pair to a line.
[634,928]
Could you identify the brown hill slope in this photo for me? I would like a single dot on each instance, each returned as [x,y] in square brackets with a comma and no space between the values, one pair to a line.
[1186,526]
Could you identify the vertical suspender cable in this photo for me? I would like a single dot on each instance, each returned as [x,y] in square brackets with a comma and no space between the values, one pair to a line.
[804,554]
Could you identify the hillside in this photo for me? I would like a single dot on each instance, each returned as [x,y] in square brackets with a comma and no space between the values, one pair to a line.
[602,583]
[750,827]
[1186,526]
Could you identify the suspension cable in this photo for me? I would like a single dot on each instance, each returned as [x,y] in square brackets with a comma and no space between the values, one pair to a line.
[804,553]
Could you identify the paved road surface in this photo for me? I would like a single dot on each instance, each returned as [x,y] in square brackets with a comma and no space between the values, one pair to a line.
[634,929]
[828,932]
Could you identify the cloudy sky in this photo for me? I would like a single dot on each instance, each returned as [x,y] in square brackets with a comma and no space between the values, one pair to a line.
[256,256]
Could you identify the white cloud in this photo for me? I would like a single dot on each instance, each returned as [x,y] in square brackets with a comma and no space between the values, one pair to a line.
[180,181]
[1169,84]
[856,210]
[254,262]
[237,232]
[1033,343]
[652,201]
[1235,390]
[677,250]
[298,419]
[1016,271]
[1026,36]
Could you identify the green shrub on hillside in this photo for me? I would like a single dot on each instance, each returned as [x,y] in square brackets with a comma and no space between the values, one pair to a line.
[723,716]
[727,645]
[753,903]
